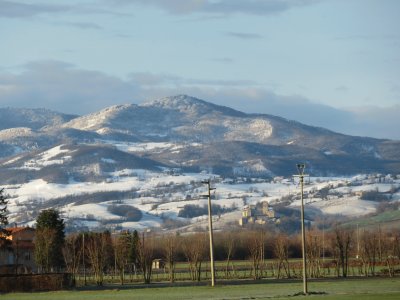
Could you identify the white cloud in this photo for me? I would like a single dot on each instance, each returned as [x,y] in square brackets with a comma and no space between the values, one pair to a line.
[244,36]
[18,9]
[376,121]
[81,25]
[60,86]
[12,9]
[253,7]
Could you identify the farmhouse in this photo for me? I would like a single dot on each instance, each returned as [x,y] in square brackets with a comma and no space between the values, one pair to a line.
[17,254]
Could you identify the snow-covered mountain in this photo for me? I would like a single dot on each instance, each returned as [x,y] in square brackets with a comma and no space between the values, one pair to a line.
[207,135]
[147,146]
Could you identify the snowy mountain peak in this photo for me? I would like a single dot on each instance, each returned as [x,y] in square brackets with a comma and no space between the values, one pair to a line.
[182,103]
[175,101]
[191,105]
[99,119]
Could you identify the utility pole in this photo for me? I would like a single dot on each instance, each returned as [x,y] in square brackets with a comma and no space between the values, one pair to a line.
[358,243]
[300,168]
[210,230]
[83,257]
[115,254]
[16,258]
[323,247]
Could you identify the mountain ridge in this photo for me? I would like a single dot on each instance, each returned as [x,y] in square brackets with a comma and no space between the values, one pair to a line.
[155,155]
[185,121]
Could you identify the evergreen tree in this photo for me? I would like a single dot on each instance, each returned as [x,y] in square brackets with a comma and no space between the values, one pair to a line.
[133,248]
[50,238]
[121,252]
[3,219]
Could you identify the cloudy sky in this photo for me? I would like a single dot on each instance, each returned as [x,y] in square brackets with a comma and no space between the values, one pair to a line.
[329,63]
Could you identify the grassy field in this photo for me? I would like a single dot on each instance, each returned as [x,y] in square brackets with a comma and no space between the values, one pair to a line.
[242,270]
[387,220]
[365,289]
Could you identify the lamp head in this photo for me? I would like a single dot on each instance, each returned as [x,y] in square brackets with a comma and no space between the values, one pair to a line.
[300,168]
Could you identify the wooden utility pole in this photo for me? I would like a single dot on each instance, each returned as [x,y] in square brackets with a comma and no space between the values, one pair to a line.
[83,257]
[210,230]
[300,168]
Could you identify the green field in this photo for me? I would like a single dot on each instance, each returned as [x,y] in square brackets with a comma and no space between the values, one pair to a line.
[365,289]
[238,270]
[387,220]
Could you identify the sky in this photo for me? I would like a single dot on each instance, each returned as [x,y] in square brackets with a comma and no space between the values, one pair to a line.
[327,63]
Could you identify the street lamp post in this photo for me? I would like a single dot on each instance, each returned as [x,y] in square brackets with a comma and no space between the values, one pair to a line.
[210,230]
[300,168]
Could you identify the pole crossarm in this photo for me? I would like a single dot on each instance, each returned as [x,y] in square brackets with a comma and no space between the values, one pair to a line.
[304,175]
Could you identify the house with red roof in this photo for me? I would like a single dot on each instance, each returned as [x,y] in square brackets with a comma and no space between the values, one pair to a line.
[17,253]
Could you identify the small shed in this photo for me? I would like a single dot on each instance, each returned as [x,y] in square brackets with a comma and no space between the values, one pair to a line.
[158,264]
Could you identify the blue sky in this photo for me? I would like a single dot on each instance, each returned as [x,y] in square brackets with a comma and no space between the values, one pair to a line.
[329,63]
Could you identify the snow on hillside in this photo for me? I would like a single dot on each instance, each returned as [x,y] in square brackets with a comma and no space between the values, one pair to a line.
[154,146]
[97,120]
[11,133]
[253,130]
[47,158]
[161,196]
[350,207]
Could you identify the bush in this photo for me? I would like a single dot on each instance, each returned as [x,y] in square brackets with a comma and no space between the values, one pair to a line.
[374,196]
[130,213]
[191,210]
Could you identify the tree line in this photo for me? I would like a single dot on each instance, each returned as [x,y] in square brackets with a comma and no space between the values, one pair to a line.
[338,251]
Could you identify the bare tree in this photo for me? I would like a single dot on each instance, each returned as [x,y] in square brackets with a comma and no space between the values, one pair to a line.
[146,248]
[391,251]
[281,251]
[314,251]
[99,251]
[342,246]
[229,244]
[194,248]
[368,251]
[72,252]
[121,253]
[256,245]
[170,244]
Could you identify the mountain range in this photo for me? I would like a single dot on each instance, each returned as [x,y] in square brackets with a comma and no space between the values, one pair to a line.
[149,161]
[179,132]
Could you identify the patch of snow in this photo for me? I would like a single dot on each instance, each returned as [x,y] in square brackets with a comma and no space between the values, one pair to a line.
[349,206]
[45,159]
[83,211]
[13,160]
[15,132]
[49,154]
[108,160]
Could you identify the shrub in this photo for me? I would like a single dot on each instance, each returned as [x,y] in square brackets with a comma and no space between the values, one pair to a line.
[130,213]
[191,210]
[373,196]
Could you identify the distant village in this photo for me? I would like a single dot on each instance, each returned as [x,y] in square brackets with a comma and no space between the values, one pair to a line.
[261,213]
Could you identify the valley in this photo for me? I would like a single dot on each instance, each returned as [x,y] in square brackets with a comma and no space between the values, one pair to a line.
[140,166]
